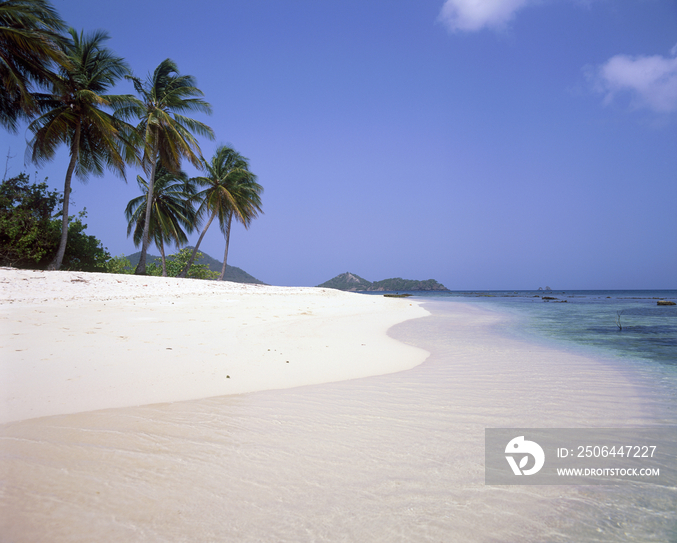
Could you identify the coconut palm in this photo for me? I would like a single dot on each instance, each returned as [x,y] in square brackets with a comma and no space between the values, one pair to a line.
[230,191]
[246,193]
[74,116]
[167,133]
[30,42]
[172,210]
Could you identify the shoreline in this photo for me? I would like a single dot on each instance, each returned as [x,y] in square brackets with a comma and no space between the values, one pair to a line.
[650,382]
[81,341]
[393,457]
[534,382]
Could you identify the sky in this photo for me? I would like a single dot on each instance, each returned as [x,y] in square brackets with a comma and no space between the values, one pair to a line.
[496,144]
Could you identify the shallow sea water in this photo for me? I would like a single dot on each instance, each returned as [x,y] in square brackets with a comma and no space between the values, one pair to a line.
[587,320]
[389,458]
[587,324]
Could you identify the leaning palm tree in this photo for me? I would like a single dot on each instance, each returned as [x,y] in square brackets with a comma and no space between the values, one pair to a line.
[230,191]
[246,193]
[73,115]
[30,44]
[167,133]
[171,213]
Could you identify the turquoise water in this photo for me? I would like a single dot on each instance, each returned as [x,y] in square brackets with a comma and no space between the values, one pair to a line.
[587,320]
[628,330]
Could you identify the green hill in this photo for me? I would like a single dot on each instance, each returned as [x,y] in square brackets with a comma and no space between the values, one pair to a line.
[233,273]
[347,281]
[351,282]
[399,284]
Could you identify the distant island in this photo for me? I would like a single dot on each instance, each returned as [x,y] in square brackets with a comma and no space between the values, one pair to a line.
[233,273]
[352,283]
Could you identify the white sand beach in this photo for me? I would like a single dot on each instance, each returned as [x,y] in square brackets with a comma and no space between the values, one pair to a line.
[76,342]
[121,424]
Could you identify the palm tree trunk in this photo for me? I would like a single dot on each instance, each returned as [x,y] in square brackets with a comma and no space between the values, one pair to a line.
[161,246]
[225,255]
[145,241]
[184,271]
[75,151]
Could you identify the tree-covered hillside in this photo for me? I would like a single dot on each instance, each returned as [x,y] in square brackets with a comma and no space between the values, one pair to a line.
[347,281]
[233,273]
[352,282]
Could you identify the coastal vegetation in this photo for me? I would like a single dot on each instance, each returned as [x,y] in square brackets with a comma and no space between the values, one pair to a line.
[31,33]
[169,266]
[170,213]
[233,273]
[167,133]
[73,114]
[30,230]
[230,191]
[59,82]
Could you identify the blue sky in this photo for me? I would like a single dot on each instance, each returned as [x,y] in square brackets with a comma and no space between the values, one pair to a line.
[504,144]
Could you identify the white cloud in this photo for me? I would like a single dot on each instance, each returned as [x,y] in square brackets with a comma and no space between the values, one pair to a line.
[651,81]
[472,15]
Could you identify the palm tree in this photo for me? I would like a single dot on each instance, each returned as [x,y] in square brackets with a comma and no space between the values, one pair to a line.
[167,133]
[247,195]
[172,210]
[30,42]
[231,191]
[73,115]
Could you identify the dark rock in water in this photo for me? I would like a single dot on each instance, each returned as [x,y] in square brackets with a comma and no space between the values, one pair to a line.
[548,298]
[665,302]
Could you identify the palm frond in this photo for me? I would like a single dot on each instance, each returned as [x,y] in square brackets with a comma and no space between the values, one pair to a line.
[172,212]
[77,99]
[230,189]
[30,45]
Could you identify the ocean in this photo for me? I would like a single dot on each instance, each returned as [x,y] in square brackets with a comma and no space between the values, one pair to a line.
[588,320]
[626,328]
